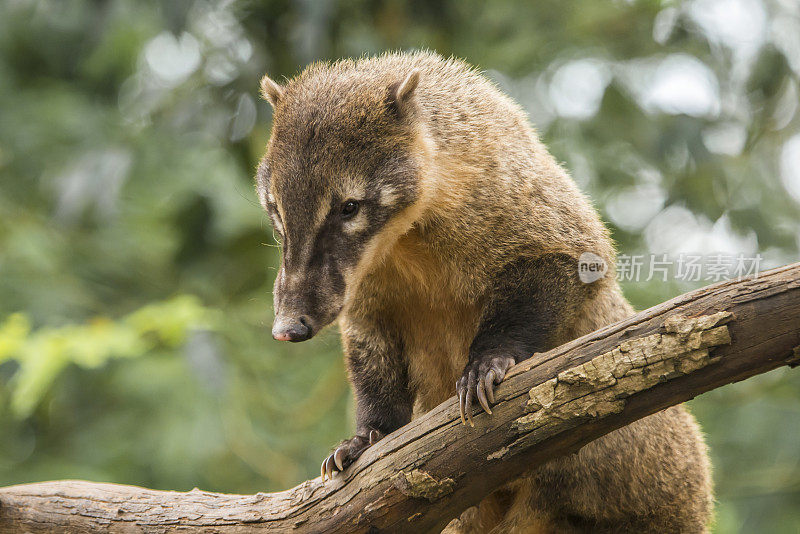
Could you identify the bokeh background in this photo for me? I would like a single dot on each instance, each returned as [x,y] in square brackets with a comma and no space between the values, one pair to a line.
[136,265]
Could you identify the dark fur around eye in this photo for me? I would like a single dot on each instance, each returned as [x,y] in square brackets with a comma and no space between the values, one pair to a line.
[349,209]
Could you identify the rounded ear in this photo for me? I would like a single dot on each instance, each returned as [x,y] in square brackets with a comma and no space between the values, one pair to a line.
[271,91]
[400,94]
[407,86]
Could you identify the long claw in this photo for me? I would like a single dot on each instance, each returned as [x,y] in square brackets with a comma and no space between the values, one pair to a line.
[329,467]
[338,456]
[322,469]
[461,394]
[481,394]
[468,403]
[374,437]
[489,383]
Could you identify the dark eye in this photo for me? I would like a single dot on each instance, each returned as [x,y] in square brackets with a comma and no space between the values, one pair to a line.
[349,209]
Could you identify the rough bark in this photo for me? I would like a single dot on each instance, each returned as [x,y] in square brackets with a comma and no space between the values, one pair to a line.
[426,473]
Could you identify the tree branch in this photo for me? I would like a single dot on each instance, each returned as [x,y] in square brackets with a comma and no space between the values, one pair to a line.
[426,473]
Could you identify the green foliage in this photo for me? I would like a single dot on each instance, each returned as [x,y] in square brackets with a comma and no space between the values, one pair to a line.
[129,133]
[42,355]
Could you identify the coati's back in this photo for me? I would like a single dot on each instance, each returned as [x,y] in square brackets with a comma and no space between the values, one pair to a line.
[493,177]
[497,193]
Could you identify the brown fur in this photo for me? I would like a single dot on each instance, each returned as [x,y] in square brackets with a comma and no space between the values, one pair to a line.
[486,193]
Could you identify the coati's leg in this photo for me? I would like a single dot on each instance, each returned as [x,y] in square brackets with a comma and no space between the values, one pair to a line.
[532,301]
[380,383]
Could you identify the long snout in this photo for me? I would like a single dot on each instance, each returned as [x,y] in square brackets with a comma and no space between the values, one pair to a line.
[292,328]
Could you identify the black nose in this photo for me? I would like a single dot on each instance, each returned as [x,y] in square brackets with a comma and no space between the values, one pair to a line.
[291,329]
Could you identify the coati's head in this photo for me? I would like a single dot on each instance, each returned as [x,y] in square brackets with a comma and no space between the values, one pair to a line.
[341,180]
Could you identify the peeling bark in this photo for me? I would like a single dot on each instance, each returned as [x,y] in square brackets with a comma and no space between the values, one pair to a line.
[422,485]
[600,386]
[427,472]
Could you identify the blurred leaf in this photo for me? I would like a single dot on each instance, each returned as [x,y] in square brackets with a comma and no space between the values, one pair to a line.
[43,354]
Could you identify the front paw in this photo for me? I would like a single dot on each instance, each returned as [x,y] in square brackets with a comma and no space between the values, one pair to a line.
[480,376]
[347,453]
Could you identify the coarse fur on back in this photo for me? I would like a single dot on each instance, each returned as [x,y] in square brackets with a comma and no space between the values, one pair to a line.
[416,205]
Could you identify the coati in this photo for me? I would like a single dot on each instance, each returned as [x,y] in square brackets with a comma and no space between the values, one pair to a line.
[415,204]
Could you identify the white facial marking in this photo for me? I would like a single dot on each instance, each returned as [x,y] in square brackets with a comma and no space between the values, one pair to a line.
[276,221]
[356,224]
[278,226]
[389,196]
[353,188]
[323,208]
[263,196]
